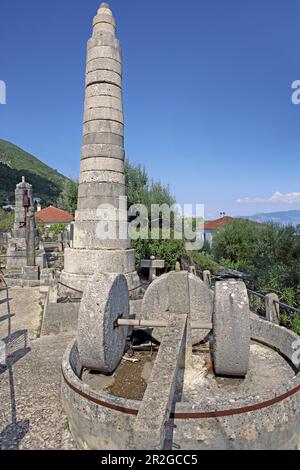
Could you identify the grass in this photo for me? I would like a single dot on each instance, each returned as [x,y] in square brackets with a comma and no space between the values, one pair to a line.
[15,163]
[41,319]
[67,426]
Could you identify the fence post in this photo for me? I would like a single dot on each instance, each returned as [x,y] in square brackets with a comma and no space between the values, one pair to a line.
[207,278]
[192,270]
[272,308]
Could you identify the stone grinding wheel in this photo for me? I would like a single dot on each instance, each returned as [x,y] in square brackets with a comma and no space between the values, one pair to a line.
[231,331]
[178,292]
[100,345]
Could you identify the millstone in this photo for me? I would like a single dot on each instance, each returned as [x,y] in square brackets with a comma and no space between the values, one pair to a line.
[179,293]
[100,345]
[231,331]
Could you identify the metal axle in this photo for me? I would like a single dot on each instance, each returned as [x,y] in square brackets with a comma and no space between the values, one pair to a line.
[158,324]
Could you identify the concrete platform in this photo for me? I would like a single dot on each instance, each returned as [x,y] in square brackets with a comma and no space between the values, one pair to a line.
[209,413]
[31,416]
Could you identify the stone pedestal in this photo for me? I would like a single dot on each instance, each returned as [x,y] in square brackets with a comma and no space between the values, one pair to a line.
[152,264]
[24,233]
[30,273]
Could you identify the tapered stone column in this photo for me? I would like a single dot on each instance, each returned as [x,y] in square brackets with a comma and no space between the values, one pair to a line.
[100,242]
[23,201]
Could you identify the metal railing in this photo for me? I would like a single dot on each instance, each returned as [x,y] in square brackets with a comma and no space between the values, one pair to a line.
[258,301]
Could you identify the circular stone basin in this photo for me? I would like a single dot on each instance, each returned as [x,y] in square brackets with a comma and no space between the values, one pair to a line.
[261,411]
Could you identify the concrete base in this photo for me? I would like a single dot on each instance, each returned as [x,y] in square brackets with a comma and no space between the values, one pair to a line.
[89,262]
[81,264]
[46,279]
[18,259]
[19,282]
[78,282]
[31,273]
[270,421]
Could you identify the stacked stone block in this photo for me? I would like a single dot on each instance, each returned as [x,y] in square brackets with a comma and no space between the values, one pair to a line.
[17,253]
[23,190]
[102,181]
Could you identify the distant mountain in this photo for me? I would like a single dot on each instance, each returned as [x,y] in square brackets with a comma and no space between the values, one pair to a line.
[15,163]
[281,218]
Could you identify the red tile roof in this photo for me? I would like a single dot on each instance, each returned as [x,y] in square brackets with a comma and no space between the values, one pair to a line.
[216,224]
[53,215]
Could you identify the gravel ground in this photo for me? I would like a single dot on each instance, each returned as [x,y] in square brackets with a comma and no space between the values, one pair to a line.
[31,416]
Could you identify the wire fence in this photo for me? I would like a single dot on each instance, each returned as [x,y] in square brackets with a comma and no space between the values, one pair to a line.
[257,300]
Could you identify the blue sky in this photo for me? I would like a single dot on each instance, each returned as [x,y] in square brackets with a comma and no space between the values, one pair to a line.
[207,93]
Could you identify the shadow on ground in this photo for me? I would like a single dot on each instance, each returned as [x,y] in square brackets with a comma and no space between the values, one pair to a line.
[16,347]
[13,434]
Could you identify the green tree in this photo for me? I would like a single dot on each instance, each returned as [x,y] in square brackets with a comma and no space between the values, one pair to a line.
[203,261]
[58,228]
[269,253]
[140,190]
[68,197]
[234,245]
[6,220]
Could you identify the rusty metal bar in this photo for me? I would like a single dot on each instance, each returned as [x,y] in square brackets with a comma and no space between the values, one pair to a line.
[159,324]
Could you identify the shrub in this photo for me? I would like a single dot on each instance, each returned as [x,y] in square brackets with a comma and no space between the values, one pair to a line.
[269,253]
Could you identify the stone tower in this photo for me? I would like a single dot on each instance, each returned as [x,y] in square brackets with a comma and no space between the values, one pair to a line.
[23,201]
[102,181]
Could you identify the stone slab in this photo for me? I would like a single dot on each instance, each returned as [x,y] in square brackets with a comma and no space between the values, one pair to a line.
[30,273]
[158,401]
[178,288]
[104,17]
[78,261]
[98,176]
[79,282]
[60,318]
[100,114]
[104,138]
[102,213]
[103,76]
[88,233]
[158,299]
[104,27]
[95,190]
[102,150]
[98,126]
[102,177]
[102,163]
[104,63]
[158,264]
[103,39]
[103,101]
[104,89]
[94,203]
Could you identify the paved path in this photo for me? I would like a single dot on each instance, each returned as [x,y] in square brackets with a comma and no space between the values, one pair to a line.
[31,416]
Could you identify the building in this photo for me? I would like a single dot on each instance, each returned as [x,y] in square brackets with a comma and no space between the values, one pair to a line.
[213,226]
[52,215]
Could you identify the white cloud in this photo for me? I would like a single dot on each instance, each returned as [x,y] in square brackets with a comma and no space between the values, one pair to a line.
[288,198]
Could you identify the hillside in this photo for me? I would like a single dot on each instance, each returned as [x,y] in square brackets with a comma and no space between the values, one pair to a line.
[281,218]
[15,163]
